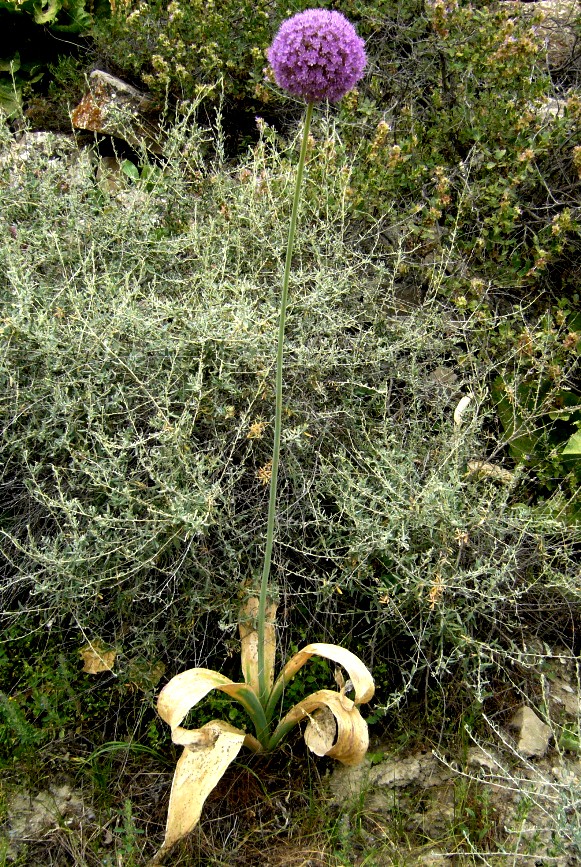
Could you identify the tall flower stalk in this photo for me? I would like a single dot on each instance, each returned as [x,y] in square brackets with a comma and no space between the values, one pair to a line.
[263,689]
[316,55]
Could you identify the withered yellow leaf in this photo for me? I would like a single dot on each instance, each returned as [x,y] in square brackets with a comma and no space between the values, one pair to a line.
[321,731]
[359,674]
[97,658]
[185,690]
[197,772]
[352,737]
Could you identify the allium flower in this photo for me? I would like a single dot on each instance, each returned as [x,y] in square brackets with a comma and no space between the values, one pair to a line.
[317,55]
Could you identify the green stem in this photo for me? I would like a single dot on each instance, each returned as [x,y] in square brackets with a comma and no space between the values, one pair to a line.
[262,684]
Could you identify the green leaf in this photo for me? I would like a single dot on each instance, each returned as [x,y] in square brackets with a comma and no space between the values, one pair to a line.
[521,442]
[10,99]
[130,169]
[46,14]
[573,446]
[10,64]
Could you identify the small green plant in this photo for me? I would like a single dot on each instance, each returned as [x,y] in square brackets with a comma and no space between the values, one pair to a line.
[28,21]
[145,174]
[129,836]
[539,404]
[14,78]
[40,702]
[475,817]
[66,16]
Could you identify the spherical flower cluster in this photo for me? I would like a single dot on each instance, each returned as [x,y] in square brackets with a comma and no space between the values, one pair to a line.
[317,55]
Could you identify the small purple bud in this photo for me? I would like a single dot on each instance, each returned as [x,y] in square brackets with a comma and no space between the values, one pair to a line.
[318,55]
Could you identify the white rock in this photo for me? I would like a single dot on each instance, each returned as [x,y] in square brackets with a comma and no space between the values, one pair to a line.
[533,734]
[482,760]
[31,817]
[563,694]
[377,781]
[557,28]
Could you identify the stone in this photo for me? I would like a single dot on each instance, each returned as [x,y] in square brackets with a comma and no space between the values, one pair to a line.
[376,782]
[30,817]
[558,29]
[565,696]
[518,799]
[533,734]
[113,107]
[423,769]
[484,761]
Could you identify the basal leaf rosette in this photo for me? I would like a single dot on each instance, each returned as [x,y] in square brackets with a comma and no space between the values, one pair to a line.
[335,728]
[317,55]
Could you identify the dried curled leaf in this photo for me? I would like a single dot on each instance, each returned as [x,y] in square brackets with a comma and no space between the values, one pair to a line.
[486,470]
[185,690]
[97,658]
[359,674]
[208,750]
[199,769]
[461,408]
[321,731]
[249,640]
[350,741]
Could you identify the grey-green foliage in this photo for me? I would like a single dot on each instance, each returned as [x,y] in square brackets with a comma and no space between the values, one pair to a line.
[138,345]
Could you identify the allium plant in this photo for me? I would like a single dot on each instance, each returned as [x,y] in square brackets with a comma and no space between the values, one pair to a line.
[316,55]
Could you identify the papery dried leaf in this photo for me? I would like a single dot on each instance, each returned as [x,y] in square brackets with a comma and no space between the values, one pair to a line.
[461,408]
[197,772]
[97,658]
[484,469]
[352,738]
[359,674]
[249,640]
[321,731]
[185,690]
[339,679]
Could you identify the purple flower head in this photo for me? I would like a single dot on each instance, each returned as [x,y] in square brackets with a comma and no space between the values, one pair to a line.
[317,55]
